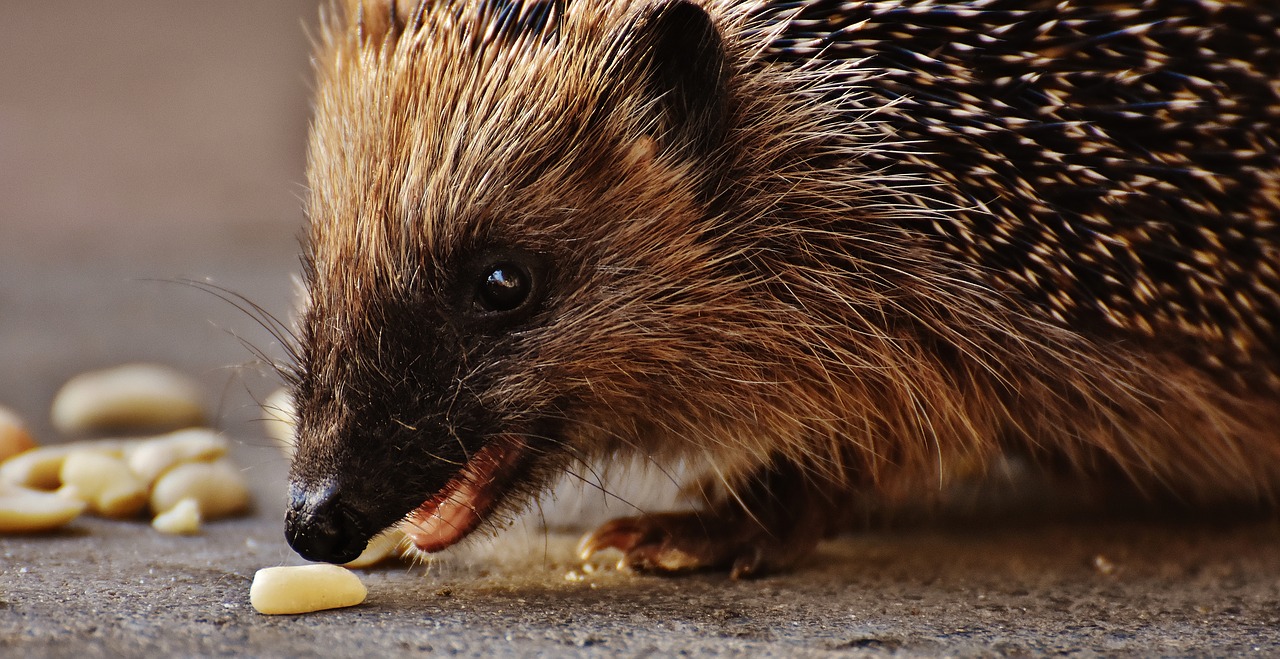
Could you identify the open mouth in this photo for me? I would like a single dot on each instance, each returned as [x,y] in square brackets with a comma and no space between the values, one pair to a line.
[459,507]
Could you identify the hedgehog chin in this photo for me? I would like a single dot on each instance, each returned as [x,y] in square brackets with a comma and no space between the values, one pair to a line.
[469,496]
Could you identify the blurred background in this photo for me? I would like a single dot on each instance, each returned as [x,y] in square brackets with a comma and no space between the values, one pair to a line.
[143,141]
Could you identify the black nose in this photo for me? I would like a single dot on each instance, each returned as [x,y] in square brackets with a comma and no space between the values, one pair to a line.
[320,528]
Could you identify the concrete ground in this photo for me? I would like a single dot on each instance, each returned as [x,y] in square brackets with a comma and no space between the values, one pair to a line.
[145,141]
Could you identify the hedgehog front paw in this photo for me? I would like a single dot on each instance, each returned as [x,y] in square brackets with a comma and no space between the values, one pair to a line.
[759,523]
[673,543]
[676,543]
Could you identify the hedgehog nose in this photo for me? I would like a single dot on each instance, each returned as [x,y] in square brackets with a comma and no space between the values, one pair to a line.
[320,528]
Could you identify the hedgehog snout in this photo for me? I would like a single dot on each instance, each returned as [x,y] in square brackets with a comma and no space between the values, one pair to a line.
[320,527]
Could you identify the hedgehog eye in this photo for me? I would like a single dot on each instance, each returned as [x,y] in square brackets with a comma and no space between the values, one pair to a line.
[505,287]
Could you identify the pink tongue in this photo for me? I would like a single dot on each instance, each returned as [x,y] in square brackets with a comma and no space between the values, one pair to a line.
[458,508]
[438,524]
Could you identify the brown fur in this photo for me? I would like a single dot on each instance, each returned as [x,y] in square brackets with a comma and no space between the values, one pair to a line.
[797,316]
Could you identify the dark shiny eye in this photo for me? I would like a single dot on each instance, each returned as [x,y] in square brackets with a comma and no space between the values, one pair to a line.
[505,287]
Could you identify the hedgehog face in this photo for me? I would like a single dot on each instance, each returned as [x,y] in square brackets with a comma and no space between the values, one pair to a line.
[483,309]
[404,409]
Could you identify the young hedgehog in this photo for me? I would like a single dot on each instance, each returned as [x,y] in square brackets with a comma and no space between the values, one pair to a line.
[829,251]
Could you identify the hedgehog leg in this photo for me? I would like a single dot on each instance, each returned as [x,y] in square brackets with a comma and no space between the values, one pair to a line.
[774,520]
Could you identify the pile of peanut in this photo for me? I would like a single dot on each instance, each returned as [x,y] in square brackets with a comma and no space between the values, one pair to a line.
[178,475]
[179,478]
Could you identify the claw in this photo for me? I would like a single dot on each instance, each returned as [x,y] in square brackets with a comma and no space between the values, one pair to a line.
[621,534]
[747,565]
[674,543]
[776,519]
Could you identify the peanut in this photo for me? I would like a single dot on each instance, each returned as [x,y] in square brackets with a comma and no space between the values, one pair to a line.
[24,510]
[104,482]
[131,396]
[14,437]
[380,548]
[305,588]
[40,467]
[280,419]
[152,457]
[182,519]
[218,487]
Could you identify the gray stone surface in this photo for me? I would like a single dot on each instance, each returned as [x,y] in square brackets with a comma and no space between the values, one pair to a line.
[146,140]
[116,589]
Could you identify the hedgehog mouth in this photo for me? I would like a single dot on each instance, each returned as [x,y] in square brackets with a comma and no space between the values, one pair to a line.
[469,496]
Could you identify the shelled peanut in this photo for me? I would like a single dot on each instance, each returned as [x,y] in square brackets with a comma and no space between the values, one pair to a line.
[133,396]
[14,437]
[24,510]
[278,411]
[304,588]
[119,478]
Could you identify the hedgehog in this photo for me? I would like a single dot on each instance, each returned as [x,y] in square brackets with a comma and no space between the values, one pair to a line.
[828,253]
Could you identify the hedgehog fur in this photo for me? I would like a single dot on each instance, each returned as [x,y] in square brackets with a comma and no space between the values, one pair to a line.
[829,251]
